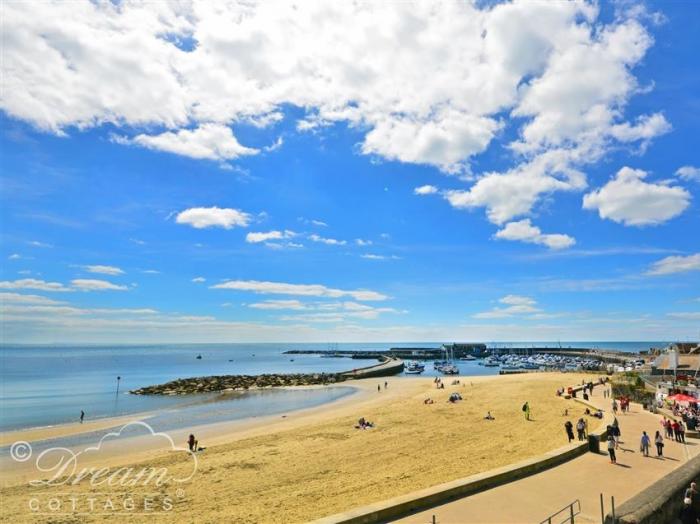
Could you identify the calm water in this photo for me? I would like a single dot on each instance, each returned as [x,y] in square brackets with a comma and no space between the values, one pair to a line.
[47,385]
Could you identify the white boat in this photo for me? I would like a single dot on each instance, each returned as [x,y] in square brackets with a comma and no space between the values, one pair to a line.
[468,357]
[450,369]
[414,368]
[491,363]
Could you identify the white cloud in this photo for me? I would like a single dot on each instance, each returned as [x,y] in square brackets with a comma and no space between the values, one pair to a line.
[89,284]
[203,217]
[436,83]
[524,231]
[15,256]
[629,200]
[675,264]
[686,315]
[17,298]
[328,241]
[431,87]
[314,290]
[689,173]
[363,242]
[372,256]
[199,279]
[255,238]
[33,283]
[36,243]
[278,304]
[275,146]
[517,305]
[646,128]
[208,141]
[104,270]
[425,190]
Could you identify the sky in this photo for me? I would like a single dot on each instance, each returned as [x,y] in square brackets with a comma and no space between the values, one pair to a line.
[349,171]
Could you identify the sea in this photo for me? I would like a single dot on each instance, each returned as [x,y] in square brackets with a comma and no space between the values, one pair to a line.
[45,385]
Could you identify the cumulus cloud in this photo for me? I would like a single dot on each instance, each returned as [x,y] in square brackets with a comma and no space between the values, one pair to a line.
[208,141]
[89,284]
[425,190]
[313,290]
[689,173]
[516,305]
[104,270]
[203,217]
[524,231]
[198,280]
[33,283]
[437,83]
[675,264]
[629,200]
[363,242]
[114,63]
[255,238]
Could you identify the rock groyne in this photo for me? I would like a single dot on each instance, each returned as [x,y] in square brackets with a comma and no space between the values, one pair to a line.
[221,383]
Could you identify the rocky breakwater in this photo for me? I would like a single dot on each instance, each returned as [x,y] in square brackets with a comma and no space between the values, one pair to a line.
[213,384]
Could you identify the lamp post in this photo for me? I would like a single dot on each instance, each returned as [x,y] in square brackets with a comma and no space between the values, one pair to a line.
[118,379]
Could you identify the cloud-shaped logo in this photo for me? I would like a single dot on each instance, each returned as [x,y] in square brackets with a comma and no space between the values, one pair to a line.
[63,466]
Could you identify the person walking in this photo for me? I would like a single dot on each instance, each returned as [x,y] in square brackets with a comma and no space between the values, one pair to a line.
[386,384]
[611,449]
[82,416]
[614,406]
[379,388]
[644,444]
[580,429]
[681,431]
[675,431]
[659,441]
[569,427]
[526,409]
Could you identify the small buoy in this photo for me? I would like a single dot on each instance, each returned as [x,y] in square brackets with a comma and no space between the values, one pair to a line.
[230,360]
[199,357]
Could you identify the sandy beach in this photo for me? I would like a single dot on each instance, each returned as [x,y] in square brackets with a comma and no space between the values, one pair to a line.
[311,463]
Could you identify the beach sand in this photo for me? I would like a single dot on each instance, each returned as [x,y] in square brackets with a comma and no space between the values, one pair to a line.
[315,463]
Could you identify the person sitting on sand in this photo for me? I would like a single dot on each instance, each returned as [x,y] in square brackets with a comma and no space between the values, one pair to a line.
[454,397]
[489,416]
[428,401]
[364,424]
[565,413]
[192,443]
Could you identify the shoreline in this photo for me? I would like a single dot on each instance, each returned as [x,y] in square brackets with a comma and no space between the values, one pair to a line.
[68,429]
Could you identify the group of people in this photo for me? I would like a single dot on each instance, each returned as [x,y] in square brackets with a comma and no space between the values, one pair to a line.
[581,429]
[674,429]
[646,443]
[689,414]
[623,406]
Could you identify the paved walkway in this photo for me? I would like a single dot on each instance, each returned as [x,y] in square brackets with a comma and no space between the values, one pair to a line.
[535,498]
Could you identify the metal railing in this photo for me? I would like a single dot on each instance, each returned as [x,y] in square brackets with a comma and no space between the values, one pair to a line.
[567,513]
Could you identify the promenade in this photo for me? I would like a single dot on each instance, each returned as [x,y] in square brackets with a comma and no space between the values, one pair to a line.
[534,498]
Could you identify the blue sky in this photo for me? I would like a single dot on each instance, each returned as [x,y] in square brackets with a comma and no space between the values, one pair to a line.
[515,171]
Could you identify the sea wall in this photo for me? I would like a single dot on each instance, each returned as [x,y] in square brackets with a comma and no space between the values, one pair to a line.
[218,383]
[660,502]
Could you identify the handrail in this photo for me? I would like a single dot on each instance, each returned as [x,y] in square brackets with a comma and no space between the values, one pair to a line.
[571,513]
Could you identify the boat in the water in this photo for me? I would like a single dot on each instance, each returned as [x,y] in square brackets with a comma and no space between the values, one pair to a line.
[491,362]
[468,357]
[414,368]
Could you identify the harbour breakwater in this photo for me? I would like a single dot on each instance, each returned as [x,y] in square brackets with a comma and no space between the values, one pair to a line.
[222,383]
